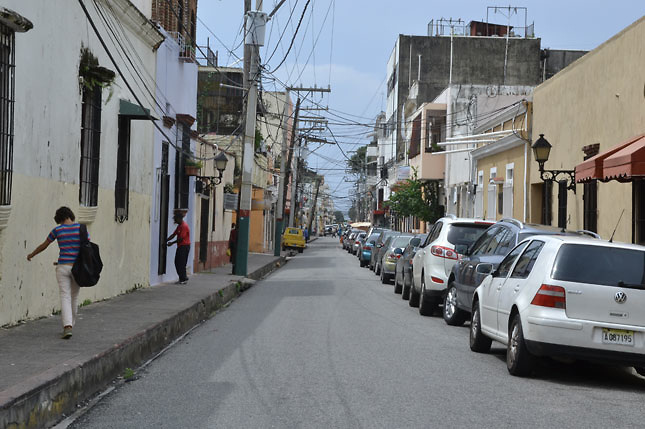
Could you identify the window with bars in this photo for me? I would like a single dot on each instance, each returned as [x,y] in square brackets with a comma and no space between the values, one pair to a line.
[590,199]
[122,185]
[90,146]
[7,98]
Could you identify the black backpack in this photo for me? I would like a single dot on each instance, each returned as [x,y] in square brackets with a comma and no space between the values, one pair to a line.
[88,265]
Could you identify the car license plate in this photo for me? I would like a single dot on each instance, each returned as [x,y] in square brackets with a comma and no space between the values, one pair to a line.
[618,336]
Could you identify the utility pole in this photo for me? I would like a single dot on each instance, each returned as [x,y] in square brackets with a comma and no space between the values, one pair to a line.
[255,29]
[313,207]
[287,168]
[283,176]
[294,187]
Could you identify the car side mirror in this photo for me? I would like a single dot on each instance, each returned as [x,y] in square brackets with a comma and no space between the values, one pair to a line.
[379,245]
[398,251]
[484,269]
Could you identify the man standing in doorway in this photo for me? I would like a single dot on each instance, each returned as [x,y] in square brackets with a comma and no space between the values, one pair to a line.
[182,232]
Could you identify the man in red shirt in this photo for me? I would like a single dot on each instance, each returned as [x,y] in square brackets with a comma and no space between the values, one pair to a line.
[183,246]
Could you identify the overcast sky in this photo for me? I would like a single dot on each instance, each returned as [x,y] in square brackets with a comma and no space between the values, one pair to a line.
[346,45]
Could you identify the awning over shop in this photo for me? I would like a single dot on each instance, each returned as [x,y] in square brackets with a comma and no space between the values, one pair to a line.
[594,167]
[133,111]
[626,163]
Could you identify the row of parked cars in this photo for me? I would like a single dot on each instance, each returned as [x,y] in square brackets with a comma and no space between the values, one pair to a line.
[539,290]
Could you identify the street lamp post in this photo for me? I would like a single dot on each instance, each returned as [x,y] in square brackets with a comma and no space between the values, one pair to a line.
[541,150]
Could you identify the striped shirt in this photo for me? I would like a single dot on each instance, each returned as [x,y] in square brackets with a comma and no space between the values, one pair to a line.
[69,242]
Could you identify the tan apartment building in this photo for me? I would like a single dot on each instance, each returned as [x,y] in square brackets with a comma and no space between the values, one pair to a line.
[586,112]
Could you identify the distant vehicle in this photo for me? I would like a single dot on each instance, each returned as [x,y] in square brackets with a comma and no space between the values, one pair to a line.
[563,296]
[293,238]
[365,254]
[392,254]
[403,273]
[449,237]
[357,242]
[377,247]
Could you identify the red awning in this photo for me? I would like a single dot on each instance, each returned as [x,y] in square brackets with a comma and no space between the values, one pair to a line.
[626,163]
[593,168]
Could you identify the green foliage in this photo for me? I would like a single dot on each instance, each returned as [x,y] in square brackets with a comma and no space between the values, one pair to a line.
[353,213]
[228,188]
[86,302]
[416,198]
[356,162]
[92,75]
[128,373]
[192,162]
[258,140]
[339,216]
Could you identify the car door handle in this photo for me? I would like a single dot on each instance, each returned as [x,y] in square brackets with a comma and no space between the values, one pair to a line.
[517,288]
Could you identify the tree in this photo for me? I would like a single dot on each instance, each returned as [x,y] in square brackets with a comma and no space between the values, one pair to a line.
[356,162]
[339,216]
[418,198]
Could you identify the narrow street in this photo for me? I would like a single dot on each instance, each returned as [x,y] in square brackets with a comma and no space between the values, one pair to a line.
[322,343]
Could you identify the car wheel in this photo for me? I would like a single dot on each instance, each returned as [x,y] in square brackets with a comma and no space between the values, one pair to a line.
[385,278]
[478,341]
[397,286]
[640,370]
[452,314]
[426,306]
[519,360]
[377,269]
[405,290]
[361,262]
[414,296]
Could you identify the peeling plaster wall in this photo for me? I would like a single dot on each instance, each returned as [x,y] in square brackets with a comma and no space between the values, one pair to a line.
[47,158]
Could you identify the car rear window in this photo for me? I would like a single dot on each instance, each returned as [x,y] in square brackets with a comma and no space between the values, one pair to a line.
[465,233]
[401,241]
[601,265]
[294,231]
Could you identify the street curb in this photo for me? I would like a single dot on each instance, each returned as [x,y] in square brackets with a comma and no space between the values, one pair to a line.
[58,394]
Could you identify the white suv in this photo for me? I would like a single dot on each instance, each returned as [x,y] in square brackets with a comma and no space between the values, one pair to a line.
[449,237]
[563,296]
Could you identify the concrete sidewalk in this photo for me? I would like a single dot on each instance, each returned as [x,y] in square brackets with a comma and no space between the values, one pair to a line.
[43,377]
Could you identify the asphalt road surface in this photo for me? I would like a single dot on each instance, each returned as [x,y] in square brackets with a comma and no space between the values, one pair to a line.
[322,343]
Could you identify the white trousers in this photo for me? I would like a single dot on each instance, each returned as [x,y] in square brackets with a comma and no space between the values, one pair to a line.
[68,294]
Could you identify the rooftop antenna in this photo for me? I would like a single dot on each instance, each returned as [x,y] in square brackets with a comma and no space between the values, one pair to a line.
[611,240]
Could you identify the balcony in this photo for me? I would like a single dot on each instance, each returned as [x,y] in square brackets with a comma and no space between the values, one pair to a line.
[427,124]
[186,49]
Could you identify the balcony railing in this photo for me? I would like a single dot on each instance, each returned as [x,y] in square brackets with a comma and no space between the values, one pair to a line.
[186,49]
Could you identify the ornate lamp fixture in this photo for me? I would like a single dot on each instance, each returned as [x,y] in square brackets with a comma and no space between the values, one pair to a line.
[541,150]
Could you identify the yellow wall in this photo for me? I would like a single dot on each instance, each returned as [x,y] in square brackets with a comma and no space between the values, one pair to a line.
[500,160]
[256,232]
[598,99]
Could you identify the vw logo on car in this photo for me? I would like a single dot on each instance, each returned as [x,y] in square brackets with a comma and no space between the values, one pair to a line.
[620,297]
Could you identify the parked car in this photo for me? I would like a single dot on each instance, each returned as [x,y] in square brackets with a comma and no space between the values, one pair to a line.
[349,239]
[365,254]
[357,242]
[379,249]
[392,254]
[293,238]
[491,248]
[563,296]
[383,235]
[403,273]
[449,237]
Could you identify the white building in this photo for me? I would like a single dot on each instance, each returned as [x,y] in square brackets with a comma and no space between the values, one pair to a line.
[80,139]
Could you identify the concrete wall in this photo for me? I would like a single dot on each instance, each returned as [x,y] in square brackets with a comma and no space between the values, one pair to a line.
[598,99]
[47,158]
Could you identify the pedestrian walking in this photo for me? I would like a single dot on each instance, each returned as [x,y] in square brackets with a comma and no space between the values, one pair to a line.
[232,246]
[306,235]
[182,232]
[67,233]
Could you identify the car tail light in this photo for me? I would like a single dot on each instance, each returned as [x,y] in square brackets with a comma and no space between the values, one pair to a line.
[444,252]
[436,279]
[367,248]
[550,296]
[394,256]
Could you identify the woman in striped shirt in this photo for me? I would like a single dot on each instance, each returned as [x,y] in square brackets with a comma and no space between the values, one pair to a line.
[67,233]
